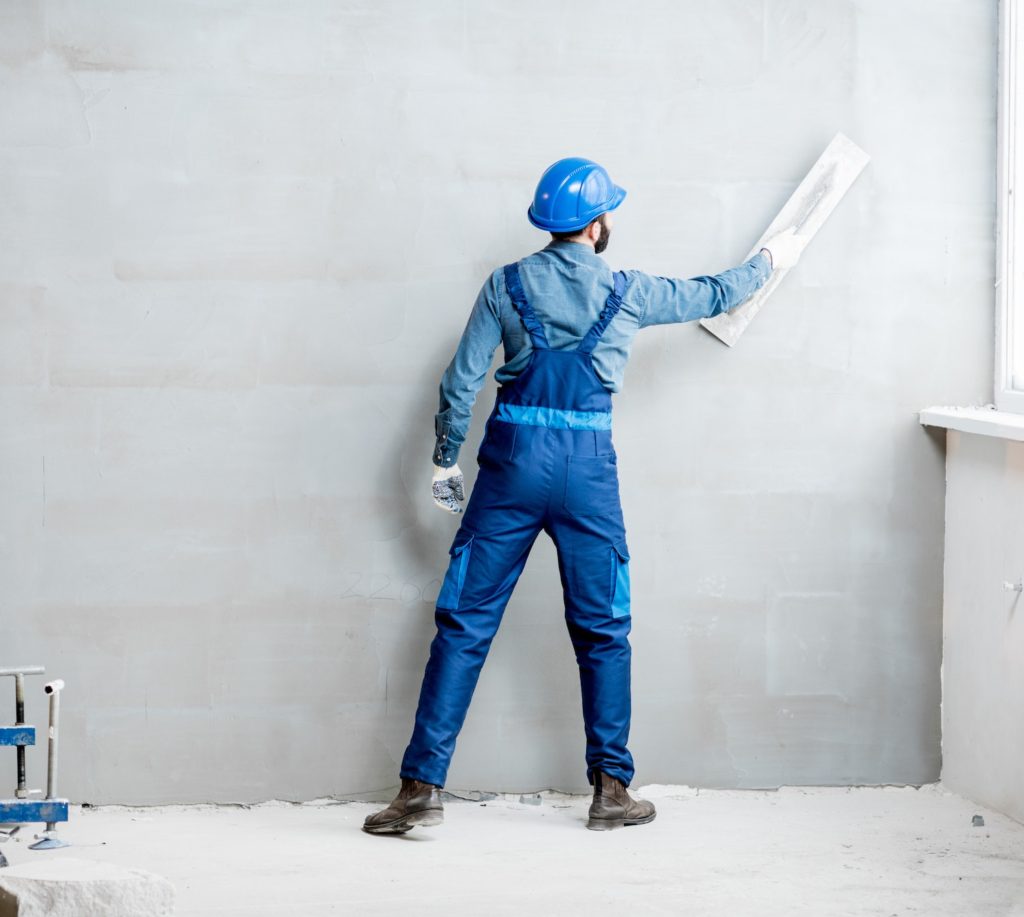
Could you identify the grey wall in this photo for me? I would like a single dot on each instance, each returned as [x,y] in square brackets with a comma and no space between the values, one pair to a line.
[983,645]
[239,244]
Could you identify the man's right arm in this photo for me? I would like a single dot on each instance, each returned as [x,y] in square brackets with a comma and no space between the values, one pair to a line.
[667,300]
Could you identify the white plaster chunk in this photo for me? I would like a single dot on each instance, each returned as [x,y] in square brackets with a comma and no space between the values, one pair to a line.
[70,887]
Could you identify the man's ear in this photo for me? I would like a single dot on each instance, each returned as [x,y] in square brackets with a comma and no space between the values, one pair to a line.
[594,230]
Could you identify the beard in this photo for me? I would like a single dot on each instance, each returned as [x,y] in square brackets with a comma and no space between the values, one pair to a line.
[602,240]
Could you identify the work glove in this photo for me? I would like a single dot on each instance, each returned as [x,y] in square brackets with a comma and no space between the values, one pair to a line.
[448,487]
[784,248]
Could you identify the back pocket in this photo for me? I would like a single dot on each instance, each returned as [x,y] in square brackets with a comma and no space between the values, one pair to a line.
[455,578]
[592,485]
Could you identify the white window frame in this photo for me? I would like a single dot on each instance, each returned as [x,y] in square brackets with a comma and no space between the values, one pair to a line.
[1009,225]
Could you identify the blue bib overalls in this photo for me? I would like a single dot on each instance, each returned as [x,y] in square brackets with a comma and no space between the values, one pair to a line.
[546,462]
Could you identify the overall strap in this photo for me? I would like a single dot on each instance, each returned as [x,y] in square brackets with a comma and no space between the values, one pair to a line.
[515,290]
[611,307]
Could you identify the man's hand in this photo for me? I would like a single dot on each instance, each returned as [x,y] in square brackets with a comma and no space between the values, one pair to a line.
[449,488]
[784,248]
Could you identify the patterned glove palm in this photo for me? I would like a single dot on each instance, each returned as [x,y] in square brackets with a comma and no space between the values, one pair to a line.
[449,487]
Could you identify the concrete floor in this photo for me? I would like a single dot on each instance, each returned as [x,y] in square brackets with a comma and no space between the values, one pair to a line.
[825,852]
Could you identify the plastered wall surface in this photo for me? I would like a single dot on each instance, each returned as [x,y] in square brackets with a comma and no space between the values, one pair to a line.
[983,647]
[239,244]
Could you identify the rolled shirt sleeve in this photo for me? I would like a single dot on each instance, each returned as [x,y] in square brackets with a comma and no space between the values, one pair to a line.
[465,374]
[668,300]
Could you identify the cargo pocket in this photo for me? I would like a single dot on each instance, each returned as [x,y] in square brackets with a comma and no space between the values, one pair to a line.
[620,579]
[592,485]
[451,588]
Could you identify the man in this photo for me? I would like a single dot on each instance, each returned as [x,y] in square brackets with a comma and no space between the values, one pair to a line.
[547,462]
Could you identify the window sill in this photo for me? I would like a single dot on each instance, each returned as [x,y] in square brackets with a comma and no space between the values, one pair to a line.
[985,421]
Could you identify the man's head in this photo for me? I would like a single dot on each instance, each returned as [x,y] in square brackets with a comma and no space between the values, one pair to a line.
[574,200]
[596,233]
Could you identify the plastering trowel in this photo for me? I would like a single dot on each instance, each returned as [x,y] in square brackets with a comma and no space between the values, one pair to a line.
[806,210]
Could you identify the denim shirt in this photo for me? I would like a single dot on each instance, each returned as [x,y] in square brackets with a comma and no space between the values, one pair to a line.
[567,284]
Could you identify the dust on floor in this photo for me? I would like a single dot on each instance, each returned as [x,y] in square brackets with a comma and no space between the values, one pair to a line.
[827,852]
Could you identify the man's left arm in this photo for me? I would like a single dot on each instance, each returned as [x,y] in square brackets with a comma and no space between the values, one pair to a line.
[457,392]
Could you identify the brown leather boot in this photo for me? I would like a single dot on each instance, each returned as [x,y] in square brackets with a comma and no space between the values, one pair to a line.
[417,803]
[613,807]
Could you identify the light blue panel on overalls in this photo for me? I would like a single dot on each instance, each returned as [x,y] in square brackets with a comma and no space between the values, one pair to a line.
[620,592]
[547,463]
[455,577]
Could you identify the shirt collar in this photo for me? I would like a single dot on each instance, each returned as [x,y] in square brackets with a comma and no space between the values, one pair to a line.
[574,251]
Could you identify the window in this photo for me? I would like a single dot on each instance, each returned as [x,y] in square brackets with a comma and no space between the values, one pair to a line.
[1009,361]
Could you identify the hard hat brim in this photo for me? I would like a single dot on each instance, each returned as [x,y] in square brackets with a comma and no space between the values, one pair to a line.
[580,222]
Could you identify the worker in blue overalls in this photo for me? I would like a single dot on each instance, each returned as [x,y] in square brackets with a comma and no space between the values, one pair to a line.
[547,462]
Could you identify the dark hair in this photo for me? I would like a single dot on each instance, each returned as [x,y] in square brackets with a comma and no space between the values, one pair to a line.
[575,232]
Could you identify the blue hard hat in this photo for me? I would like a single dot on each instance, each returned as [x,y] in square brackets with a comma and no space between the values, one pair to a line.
[571,193]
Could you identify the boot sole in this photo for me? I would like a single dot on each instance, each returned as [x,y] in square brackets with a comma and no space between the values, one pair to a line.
[426,818]
[608,824]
